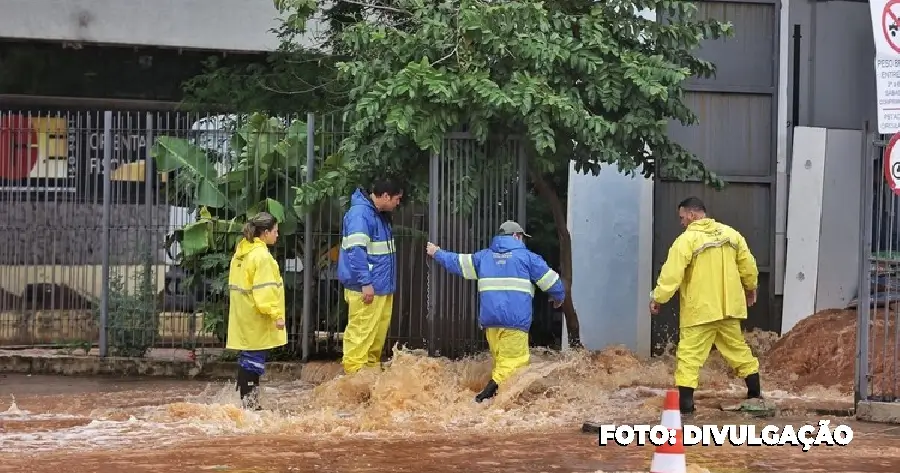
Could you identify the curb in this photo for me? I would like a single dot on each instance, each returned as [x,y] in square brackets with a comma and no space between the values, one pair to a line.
[116,366]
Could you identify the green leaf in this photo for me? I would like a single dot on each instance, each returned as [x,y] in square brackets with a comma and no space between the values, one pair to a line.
[195,238]
[276,209]
[175,154]
[172,154]
[290,223]
[208,194]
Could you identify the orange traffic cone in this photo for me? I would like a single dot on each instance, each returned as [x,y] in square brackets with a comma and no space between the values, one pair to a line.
[670,458]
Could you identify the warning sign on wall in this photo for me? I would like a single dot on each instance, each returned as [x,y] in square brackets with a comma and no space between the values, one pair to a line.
[887,88]
[886,26]
[886,32]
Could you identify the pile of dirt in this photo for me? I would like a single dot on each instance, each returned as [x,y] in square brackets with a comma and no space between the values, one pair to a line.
[821,351]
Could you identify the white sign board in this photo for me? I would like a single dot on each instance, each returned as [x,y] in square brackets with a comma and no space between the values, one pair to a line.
[887,88]
[886,32]
[886,26]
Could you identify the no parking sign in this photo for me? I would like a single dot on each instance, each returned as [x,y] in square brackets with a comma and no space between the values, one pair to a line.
[886,34]
[892,164]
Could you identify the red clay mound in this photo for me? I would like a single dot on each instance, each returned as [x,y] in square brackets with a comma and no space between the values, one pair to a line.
[821,350]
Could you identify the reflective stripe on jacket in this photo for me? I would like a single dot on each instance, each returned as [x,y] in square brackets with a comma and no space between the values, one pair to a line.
[368,255]
[711,267]
[507,273]
[256,299]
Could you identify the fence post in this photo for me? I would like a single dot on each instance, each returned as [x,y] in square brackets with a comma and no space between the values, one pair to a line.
[105,231]
[433,217]
[522,190]
[149,199]
[149,178]
[307,238]
[863,301]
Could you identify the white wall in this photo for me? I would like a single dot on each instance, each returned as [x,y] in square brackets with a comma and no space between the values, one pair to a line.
[823,222]
[227,25]
[611,222]
[838,278]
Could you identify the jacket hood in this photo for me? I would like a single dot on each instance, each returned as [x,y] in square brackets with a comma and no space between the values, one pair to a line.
[505,244]
[360,198]
[705,225]
[244,247]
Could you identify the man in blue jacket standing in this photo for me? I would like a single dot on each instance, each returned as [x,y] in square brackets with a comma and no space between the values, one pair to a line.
[507,273]
[367,268]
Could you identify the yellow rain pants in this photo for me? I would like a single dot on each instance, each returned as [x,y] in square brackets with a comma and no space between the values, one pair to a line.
[696,341]
[509,347]
[366,330]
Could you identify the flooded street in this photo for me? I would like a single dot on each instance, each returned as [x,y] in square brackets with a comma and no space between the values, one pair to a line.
[538,452]
[417,415]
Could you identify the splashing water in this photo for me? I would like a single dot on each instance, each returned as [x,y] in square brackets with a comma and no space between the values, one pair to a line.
[414,395]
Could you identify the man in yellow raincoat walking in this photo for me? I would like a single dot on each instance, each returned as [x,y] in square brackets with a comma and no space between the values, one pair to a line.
[715,274]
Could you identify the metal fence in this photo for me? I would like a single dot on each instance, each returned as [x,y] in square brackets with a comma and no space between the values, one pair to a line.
[878,331]
[90,261]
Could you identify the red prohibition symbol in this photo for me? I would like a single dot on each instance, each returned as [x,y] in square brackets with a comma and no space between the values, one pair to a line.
[892,166]
[890,24]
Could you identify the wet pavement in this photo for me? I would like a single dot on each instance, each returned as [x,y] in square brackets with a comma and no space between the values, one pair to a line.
[874,449]
[415,417]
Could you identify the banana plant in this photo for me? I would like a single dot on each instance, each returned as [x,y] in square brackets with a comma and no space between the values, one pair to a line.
[259,174]
[259,171]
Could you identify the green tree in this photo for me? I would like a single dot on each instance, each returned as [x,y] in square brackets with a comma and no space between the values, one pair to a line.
[593,82]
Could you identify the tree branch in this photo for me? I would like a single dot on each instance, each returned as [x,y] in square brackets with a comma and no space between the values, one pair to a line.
[546,190]
[376,7]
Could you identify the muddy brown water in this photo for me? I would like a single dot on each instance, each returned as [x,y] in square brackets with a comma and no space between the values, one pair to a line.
[416,416]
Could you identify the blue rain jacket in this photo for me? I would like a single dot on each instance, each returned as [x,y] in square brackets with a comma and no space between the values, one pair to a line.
[507,273]
[367,253]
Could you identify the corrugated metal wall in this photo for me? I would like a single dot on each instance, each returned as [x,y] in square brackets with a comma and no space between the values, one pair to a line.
[736,139]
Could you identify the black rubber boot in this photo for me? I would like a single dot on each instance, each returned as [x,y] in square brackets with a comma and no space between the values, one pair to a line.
[686,400]
[488,392]
[753,388]
[248,386]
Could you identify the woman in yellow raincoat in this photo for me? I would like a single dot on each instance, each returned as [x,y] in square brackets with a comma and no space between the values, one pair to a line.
[256,312]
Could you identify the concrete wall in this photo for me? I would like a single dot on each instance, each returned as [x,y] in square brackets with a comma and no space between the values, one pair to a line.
[834,74]
[823,231]
[838,279]
[610,219]
[837,79]
[230,25]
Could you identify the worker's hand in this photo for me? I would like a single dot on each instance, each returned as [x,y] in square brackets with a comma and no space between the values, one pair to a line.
[557,304]
[654,307]
[279,324]
[368,294]
[431,249]
[751,298]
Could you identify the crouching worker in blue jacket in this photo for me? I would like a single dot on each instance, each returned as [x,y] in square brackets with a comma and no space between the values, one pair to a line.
[507,273]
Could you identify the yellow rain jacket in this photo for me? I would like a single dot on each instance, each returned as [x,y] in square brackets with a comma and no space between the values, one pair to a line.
[711,267]
[257,299]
